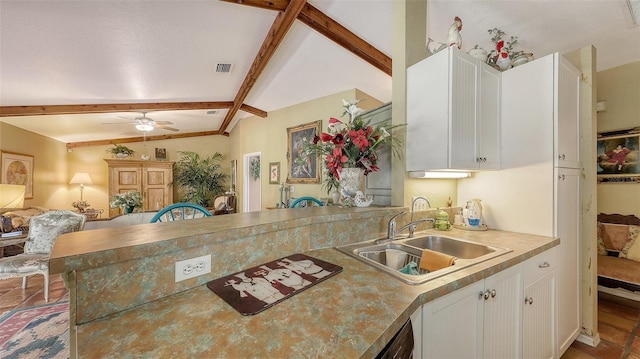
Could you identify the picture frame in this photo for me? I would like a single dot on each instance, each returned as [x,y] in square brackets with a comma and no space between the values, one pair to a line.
[234,174]
[17,168]
[161,154]
[618,158]
[302,169]
[274,172]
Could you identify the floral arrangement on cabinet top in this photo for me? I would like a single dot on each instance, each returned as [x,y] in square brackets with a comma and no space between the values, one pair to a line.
[503,56]
[353,143]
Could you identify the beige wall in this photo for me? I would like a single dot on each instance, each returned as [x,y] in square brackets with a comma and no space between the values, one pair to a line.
[620,88]
[91,160]
[50,169]
[269,136]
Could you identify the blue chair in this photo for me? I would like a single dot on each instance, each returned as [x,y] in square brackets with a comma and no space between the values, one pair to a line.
[179,212]
[305,202]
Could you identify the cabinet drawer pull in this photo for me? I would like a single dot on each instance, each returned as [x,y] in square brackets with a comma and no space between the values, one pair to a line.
[528,300]
[561,177]
[544,265]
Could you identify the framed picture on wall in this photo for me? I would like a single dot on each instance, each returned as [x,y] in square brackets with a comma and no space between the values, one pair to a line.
[161,154]
[274,172]
[18,169]
[302,169]
[618,158]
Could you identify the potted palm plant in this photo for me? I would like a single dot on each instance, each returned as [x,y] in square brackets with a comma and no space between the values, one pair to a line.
[200,179]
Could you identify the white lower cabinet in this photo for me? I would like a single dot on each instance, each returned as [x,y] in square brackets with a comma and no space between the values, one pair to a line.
[539,312]
[482,320]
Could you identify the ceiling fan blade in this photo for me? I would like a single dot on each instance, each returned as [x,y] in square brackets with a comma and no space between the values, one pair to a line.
[126,118]
[164,123]
[167,128]
[114,123]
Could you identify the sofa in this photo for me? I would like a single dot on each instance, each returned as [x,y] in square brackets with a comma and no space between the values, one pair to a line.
[619,255]
[18,219]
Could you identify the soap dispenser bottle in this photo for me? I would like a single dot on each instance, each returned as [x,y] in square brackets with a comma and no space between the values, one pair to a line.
[475,212]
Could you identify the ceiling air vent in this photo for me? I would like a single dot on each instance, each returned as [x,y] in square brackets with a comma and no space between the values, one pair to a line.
[223,67]
[212,112]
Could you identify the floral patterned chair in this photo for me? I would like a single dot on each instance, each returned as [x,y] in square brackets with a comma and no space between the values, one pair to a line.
[43,231]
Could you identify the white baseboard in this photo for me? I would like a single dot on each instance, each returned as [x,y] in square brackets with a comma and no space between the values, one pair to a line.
[620,292]
[590,341]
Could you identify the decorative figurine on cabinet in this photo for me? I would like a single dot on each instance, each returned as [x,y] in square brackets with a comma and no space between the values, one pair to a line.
[454,38]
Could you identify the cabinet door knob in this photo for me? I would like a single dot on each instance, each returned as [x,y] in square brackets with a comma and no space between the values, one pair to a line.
[561,157]
[544,265]
[561,177]
[487,294]
[493,293]
[528,300]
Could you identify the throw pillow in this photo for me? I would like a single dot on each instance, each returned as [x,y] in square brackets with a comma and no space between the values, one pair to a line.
[615,236]
[602,250]
[632,249]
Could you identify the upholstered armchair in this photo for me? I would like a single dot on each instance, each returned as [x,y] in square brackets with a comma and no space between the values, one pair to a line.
[43,231]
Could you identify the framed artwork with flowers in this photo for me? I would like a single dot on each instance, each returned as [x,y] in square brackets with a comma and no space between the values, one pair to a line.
[302,168]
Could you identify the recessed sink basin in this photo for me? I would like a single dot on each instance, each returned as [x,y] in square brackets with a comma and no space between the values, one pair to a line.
[455,247]
[468,253]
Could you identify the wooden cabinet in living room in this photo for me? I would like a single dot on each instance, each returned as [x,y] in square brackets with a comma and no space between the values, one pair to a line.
[150,178]
[453,113]
[484,316]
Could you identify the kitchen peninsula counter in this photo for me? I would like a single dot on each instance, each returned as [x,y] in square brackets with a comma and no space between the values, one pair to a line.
[351,315]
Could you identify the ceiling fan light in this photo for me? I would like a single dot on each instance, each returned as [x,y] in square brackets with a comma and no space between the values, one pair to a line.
[144,127]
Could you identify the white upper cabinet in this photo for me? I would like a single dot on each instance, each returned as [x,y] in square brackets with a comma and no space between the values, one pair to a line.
[453,113]
[567,124]
[540,113]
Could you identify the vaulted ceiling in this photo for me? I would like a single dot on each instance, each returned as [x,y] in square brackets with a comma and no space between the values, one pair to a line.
[79,71]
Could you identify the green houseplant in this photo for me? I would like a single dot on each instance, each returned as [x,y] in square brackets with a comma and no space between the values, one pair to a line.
[120,151]
[128,201]
[200,179]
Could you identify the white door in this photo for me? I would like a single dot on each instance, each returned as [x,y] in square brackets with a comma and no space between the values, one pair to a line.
[252,180]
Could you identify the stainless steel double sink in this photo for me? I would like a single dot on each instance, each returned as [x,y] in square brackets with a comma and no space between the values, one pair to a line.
[467,253]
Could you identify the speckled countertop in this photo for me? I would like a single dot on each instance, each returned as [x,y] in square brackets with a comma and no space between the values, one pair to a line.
[351,315]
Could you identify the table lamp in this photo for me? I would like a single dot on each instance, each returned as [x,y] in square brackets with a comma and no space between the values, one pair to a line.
[81,178]
[11,196]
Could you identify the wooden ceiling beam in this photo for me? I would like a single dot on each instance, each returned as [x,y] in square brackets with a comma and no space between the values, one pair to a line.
[73,145]
[276,5]
[6,111]
[254,111]
[274,37]
[328,27]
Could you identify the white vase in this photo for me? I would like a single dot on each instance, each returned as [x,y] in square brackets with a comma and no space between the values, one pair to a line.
[350,182]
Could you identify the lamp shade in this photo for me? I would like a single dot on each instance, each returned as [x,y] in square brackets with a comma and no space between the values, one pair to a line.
[12,195]
[81,178]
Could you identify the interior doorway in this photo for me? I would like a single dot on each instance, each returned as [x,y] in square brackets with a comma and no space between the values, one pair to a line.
[252,165]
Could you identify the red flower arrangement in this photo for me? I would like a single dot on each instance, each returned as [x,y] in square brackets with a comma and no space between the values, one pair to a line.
[350,144]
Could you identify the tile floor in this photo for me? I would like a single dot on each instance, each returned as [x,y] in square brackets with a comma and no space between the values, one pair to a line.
[13,296]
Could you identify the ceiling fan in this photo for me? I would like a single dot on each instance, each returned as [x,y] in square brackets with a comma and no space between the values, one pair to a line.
[145,124]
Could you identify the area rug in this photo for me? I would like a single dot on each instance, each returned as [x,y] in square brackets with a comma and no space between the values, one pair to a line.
[36,332]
